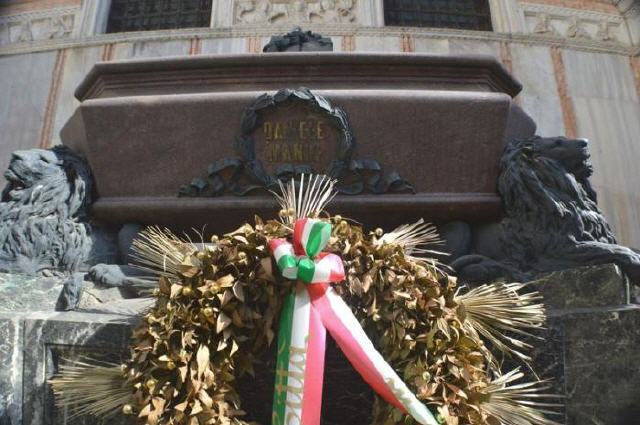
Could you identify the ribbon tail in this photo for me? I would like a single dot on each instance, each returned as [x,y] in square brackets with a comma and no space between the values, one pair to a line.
[301,343]
[314,373]
[358,348]
[282,360]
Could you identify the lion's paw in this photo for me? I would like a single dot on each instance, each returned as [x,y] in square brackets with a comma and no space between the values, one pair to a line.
[108,275]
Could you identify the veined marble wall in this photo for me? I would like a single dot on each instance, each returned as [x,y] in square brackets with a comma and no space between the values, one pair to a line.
[607,109]
[580,67]
[25,85]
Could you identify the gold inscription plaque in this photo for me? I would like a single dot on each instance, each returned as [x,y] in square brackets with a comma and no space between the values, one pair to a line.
[295,141]
[293,134]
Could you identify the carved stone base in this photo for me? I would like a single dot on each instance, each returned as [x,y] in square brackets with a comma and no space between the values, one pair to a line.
[34,337]
[31,347]
[590,348]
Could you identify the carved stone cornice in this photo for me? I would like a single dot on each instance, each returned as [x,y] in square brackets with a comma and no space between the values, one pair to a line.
[38,25]
[575,23]
[203,73]
[565,11]
[328,30]
[40,14]
[293,11]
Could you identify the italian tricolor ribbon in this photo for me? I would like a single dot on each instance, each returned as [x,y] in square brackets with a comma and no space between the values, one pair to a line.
[312,308]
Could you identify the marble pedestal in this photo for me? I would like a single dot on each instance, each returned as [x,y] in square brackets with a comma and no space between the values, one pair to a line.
[30,351]
[34,337]
[591,348]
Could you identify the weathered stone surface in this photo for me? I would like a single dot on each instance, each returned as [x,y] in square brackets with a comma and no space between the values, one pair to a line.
[591,356]
[95,299]
[69,335]
[33,338]
[11,371]
[22,293]
[591,347]
[602,354]
[31,346]
[468,195]
[548,355]
[19,295]
[584,287]
[76,65]
[150,49]
[519,125]
[222,45]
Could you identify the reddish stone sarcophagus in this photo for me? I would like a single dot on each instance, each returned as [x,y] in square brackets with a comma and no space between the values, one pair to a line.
[149,126]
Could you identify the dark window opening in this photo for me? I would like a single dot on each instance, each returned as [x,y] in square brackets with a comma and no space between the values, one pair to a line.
[460,14]
[147,15]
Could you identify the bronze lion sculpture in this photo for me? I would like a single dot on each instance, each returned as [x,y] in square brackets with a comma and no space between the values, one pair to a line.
[552,220]
[45,227]
[43,211]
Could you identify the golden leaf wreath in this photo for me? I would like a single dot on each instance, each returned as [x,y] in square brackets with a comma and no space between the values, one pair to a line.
[217,308]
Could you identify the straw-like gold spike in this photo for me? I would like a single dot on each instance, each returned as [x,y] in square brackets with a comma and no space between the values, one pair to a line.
[520,404]
[494,311]
[313,194]
[160,252]
[90,387]
[414,239]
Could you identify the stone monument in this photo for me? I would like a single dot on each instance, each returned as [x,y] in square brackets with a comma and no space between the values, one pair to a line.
[189,142]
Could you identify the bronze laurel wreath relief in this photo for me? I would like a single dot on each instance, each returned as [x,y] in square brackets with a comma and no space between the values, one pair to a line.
[218,306]
[246,173]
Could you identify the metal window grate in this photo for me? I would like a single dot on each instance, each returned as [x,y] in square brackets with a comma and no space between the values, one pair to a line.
[146,15]
[461,14]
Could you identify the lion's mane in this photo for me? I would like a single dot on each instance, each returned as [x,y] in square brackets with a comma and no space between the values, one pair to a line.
[42,213]
[552,220]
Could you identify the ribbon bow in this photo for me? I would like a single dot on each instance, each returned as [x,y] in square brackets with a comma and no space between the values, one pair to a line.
[297,262]
[312,308]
